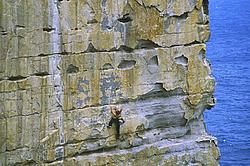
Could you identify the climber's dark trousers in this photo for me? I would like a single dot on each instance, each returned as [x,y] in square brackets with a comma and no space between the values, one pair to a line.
[117,126]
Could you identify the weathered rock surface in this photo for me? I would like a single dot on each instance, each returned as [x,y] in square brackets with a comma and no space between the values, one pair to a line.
[63,63]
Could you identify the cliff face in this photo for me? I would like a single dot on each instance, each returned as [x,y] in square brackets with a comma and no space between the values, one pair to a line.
[63,63]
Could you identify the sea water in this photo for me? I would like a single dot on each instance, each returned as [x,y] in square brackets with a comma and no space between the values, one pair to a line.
[229,52]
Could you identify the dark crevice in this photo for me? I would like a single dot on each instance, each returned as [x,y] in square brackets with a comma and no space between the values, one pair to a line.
[125,48]
[4,33]
[41,74]
[127,64]
[181,45]
[66,53]
[182,16]
[72,69]
[205,7]
[188,132]
[107,66]
[153,61]
[203,23]
[42,55]
[27,162]
[62,53]
[19,36]
[48,29]
[192,43]
[94,21]
[91,48]
[156,8]
[175,45]
[125,19]
[211,103]
[146,44]
[19,26]
[23,115]
[16,78]
[19,147]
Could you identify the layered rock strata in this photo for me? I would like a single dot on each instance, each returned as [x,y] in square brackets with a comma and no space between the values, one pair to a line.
[63,64]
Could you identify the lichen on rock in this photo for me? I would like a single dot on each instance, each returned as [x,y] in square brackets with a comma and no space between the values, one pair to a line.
[64,63]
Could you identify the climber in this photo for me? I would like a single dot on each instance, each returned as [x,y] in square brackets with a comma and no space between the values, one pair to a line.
[116,119]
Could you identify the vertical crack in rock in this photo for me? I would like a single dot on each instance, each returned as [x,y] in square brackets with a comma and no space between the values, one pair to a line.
[54,60]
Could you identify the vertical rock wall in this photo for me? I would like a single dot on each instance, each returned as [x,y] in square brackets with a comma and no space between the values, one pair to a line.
[63,63]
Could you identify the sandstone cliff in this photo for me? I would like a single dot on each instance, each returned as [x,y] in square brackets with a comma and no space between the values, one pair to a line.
[63,63]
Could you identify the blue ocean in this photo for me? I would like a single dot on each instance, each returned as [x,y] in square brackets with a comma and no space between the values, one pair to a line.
[229,52]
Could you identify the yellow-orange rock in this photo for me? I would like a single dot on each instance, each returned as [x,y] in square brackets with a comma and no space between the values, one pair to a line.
[64,63]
